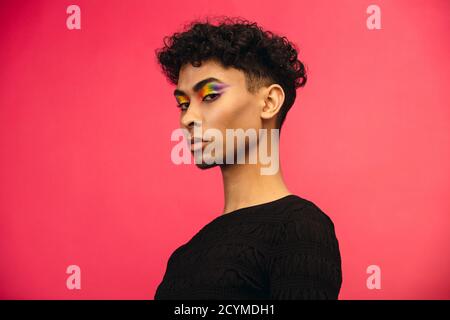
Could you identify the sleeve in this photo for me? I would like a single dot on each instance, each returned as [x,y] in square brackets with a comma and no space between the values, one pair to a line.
[305,262]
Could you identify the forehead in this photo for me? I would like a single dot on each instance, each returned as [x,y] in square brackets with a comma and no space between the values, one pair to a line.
[190,75]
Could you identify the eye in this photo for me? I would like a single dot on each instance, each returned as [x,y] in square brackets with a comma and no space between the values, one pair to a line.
[211,97]
[183,106]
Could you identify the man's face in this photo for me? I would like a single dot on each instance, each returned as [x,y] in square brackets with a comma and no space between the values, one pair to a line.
[224,103]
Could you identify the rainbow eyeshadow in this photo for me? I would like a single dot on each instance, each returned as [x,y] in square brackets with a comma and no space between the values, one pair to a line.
[211,87]
[182,99]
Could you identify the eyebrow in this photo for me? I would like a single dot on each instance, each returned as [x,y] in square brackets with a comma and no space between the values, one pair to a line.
[197,86]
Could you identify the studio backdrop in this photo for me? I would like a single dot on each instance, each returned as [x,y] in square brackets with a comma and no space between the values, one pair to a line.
[92,205]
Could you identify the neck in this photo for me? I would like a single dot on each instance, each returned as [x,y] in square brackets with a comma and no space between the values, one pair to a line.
[245,185]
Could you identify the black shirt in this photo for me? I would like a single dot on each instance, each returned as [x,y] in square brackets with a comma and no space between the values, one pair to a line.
[283,249]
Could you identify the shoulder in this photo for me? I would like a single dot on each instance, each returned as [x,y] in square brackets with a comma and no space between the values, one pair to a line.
[304,260]
[301,209]
[303,220]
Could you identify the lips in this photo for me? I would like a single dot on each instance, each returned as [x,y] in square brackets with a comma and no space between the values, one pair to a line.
[197,143]
[196,139]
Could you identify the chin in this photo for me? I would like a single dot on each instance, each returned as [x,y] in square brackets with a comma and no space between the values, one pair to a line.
[202,164]
[205,166]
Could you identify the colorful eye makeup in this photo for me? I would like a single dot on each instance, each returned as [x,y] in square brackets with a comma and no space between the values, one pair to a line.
[204,88]
[210,88]
[181,99]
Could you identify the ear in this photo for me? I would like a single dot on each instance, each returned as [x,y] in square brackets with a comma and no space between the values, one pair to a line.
[273,100]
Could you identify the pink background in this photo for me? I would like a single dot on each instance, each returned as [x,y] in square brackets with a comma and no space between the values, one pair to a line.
[85,123]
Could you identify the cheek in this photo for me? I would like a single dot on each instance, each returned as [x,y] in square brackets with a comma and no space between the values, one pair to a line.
[235,112]
[232,113]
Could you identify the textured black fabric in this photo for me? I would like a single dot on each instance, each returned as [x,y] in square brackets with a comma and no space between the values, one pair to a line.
[283,249]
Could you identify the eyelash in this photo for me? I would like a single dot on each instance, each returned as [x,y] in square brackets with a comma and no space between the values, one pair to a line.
[215,97]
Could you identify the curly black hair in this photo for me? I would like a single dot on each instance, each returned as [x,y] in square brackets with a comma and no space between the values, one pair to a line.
[263,56]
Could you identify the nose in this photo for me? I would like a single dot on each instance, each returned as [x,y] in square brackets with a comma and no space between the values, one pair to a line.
[191,118]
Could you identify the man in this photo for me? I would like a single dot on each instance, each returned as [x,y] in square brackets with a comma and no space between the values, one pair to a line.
[236,83]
